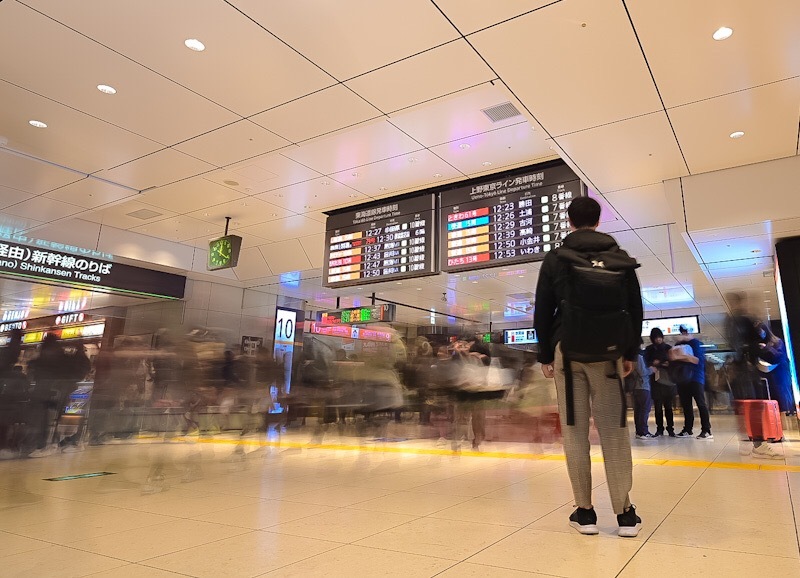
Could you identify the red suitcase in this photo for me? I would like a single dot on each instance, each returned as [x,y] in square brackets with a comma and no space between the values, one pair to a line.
[762,419]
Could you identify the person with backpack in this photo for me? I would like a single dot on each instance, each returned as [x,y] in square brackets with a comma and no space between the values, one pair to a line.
[688,371]
[588,318]
[662,388]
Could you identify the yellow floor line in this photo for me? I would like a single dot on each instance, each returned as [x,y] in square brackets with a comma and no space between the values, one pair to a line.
[501,455]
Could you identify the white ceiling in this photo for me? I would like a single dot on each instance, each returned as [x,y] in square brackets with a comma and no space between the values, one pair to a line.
[295,108]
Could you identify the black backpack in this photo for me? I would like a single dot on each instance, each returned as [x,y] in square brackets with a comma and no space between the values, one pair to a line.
[596,324]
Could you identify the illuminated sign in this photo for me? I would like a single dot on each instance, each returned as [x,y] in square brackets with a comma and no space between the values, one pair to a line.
[372,244]
[87,272]
[367,314]
[15,314]
[69,318]
[510,217]
[72,305]
[671,325]
[288,328]
[523,336]
[348,332]
[11,326]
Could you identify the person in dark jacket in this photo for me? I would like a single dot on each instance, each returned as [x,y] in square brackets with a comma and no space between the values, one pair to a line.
[656,356]
[773,363]
[694,389]
[599,381]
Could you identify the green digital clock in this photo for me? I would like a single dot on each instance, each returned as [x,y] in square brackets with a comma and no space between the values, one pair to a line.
[223,253]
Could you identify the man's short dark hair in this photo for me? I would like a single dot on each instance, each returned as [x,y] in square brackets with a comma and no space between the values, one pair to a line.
[584,212]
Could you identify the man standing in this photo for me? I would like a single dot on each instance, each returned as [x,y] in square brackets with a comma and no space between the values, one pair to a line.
[694,388]
[588,319]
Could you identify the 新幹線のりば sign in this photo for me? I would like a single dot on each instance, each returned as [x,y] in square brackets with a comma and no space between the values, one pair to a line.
[44,264]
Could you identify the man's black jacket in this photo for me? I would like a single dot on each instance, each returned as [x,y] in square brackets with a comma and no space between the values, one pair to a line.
[551,289]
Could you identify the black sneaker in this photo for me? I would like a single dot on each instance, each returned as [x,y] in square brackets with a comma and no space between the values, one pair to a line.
[584,521]
[629,523]
[659,433]
[706,435]
[685,434]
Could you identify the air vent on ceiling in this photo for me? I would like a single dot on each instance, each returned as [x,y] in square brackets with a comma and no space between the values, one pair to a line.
[500,112]
[144,214]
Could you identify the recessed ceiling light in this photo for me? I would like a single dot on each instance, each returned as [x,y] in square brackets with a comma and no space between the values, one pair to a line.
[437,176]
[231,183]
[325,183]
[352,195]
[37,123]
[384,188]
[105,89]
[205,214]
[722,33]
[737,134]
[419,288]
[354,174]
[487,163]
[194,44]
[399,282]
[474,281]
[464,146]
[520,276]
[412,159]
[273,214]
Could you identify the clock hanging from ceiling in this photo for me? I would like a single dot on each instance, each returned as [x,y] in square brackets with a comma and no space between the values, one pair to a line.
[223,253]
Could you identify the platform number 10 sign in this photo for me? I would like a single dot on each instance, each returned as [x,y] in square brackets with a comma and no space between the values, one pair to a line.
[285,322]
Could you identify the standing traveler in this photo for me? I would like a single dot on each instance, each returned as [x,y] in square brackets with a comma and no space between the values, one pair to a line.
[589,320]
[693,387]
[639,380]
[773,364]
[656,356]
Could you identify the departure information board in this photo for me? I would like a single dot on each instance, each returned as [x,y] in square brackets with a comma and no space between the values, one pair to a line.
[506,218]
[383,242]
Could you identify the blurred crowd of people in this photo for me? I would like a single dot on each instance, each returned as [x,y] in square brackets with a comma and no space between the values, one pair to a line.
[191,384]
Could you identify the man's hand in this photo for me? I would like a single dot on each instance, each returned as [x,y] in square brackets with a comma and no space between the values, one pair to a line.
[627,367]
[548,371]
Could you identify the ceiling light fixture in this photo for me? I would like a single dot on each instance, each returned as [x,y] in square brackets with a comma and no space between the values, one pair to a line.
[487,163]
[437,176]
[383,188]
[325,183]
[231,183]
[37,123]
[463,146]
[412,159]
[105,89]
[194,44]
[722,33]
[354,174]
[737,134]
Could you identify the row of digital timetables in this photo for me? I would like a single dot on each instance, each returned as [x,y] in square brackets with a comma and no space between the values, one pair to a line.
[504,218]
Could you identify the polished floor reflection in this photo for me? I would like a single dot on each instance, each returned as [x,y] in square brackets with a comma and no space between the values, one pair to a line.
[296,505]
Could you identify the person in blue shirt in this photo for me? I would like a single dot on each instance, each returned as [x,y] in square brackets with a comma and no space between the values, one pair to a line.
[694,389]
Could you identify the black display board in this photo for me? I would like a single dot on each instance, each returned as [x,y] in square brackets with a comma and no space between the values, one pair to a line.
[38,264]
[380,242]
[505,218]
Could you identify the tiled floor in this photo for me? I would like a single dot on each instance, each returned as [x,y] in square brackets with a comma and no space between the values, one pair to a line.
[400,509]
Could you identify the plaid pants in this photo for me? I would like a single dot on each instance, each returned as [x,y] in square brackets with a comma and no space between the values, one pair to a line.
[598,395]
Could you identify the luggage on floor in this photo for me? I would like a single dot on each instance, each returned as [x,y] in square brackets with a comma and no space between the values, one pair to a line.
[762,419]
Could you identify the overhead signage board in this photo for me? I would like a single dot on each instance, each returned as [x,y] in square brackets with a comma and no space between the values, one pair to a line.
[384,313]
[87,272]
[390,241]
[524,336]
[351,332]
[671,325]
[506,218]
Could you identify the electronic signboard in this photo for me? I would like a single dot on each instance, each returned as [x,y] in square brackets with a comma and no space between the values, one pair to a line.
[511,217]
